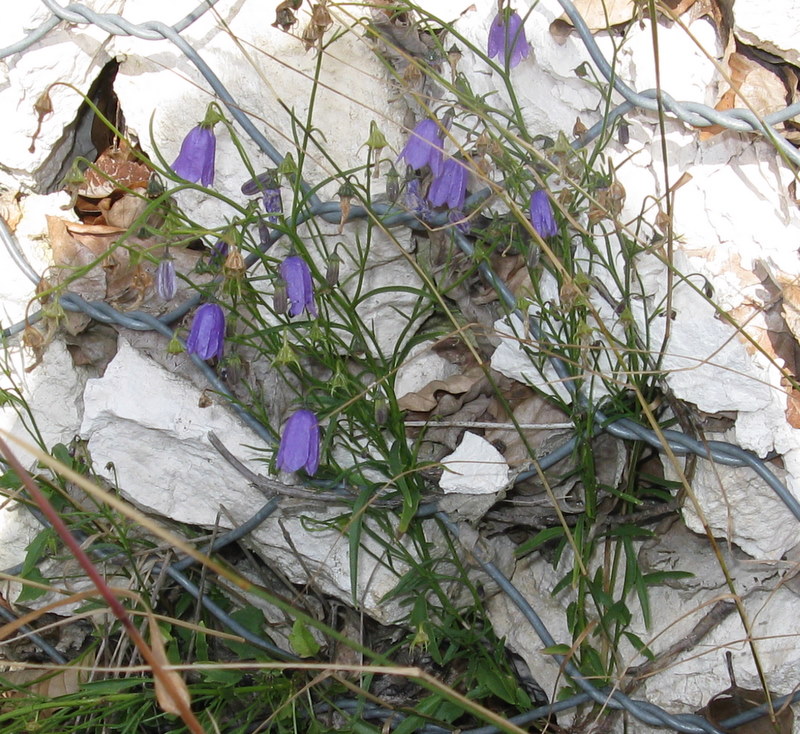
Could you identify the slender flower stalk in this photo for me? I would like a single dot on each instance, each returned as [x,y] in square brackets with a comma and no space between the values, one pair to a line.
[507,39]
[450,186]
[299,447]
[424,147]
[299,288]
[207,335]
[541,213]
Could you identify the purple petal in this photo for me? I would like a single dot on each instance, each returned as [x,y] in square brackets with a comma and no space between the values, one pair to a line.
[450,186]
[507,38]
[207,335]
[541,212]
[166,284]
[496,36]
[424,146]
[299,447]
[195,162]
[299,287]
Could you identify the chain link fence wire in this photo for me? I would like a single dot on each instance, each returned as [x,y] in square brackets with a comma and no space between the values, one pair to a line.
[692,113]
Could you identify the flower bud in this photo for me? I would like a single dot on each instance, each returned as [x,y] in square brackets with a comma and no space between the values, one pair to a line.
[381,411]
[392,184]
[166,283]
[280,298]
[376,139]
[332,271]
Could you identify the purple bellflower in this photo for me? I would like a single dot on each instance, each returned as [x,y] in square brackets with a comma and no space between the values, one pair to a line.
[268,185]
[207,336]
[166,284]
[195,162]
[299,447]
[299,288]
[273,205]
[542,218]
[424,146]
[450,185]
[507,38]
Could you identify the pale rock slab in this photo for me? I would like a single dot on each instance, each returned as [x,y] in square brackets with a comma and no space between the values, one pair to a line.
[770,27]
[516,357]
[421,367]
[739,505]
[475,467]
[145,422]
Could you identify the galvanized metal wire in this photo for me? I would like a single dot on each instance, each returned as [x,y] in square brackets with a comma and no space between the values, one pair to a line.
[691,113]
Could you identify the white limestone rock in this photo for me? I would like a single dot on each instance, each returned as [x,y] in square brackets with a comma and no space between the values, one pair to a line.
[475,467]
[145,423]
[770,27]
[421,367]
[516,357]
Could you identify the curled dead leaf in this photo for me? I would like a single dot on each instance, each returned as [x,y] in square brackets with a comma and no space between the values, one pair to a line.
[168,683]
[425,400]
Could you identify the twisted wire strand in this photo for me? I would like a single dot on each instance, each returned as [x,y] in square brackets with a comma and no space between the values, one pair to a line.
[692,113]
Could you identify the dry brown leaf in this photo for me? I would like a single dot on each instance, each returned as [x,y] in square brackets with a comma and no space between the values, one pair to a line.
[754,85]
[424,400]
[115,169]
[123,212]
[50,683]
[163,695]
[533,410]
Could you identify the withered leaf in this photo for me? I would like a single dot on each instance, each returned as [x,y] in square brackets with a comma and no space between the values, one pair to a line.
[164,696]
[598,14]
[115,169]
[424,400]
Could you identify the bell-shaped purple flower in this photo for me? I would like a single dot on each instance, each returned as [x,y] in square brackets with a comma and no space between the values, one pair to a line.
[450,186]
[542,218]
[273,205]
[299,447]
[424,146]
[207,335]
[299,288]
[166,282]
[195,162]
[507,38]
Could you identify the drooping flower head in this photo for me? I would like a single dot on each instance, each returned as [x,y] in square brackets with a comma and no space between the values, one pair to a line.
[207,334]
[299,288]
[507,38]
[268,185]
[299,447]
[195,162]
[424,146]
[166,283]
[450,185]
[541,212]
